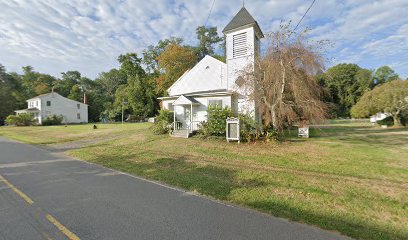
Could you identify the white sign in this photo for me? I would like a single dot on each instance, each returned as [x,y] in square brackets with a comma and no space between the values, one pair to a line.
[304,132]
[233,129]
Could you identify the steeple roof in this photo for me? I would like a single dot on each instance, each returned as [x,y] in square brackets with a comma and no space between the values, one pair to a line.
[242,18]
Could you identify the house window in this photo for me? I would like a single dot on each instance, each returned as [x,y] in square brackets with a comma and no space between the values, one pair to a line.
[170,107]
[239,45]
[214,103]
[48,103]
[187,113]
[78,106]
[78,115]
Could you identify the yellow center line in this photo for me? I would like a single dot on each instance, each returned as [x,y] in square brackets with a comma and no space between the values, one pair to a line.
[20,193]
[62,228]
[51,219]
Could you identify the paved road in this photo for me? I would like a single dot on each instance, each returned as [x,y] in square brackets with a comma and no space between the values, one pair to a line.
[75,200]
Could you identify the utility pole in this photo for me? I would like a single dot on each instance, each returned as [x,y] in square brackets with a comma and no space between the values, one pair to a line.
[123,103]
[122,109]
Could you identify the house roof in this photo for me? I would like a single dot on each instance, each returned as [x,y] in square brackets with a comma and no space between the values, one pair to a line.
[209,74]
[29,110]
[242,18]
[185,100]
[41,96]
[53,94]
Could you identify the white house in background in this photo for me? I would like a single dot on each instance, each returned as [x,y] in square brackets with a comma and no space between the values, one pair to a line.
[52,103]
[212,82]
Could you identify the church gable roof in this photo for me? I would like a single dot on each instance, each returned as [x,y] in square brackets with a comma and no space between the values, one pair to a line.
[208,75]
[242,18]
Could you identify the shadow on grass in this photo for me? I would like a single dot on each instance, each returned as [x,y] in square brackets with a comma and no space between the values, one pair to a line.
[219,182]
[350,226]
[206,179]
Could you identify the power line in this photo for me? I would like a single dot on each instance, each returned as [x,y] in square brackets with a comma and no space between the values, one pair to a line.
[297,25]
[205,25]
[304,15]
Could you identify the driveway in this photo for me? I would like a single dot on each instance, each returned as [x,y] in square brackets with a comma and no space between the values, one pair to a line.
[46,195]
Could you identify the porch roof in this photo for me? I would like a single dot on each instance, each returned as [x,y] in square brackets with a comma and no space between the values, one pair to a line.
[185,100]
[28,110]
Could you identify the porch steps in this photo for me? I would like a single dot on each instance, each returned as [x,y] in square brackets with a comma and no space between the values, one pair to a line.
[183,133]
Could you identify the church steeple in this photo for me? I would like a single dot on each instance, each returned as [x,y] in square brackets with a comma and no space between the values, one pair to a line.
[243,19]
[243,36]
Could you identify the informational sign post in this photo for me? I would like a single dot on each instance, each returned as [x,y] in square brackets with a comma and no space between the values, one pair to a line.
[233,129]
[303,132]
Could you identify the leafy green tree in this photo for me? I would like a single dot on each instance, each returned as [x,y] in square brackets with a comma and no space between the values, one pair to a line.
[76,93]
[207,36]
[152,53]
[390,97]
[130,64]
[7,99]
[139,91]
[34,83]
[97,100]
[68,80]
[385,74]
[346,83]
[174,62]
[110,81]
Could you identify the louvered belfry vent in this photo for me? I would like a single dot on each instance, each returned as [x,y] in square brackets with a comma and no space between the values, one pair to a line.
[239,45]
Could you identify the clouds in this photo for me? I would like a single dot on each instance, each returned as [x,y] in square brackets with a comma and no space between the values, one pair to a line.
[56,36]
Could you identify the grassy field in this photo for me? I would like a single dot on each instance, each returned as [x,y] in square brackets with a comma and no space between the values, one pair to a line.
[349,177]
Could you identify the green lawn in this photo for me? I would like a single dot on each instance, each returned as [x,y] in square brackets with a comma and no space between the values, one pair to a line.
[349,177]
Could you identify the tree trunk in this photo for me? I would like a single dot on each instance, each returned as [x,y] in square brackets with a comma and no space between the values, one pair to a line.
[273,116]
[397,120]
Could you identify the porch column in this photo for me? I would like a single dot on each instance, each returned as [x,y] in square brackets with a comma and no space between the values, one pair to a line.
[174,118]
[191,117]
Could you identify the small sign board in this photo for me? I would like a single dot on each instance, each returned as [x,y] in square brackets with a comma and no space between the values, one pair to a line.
[303,132]
[232,129]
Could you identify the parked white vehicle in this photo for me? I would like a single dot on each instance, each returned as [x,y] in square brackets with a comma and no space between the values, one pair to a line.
[378,117]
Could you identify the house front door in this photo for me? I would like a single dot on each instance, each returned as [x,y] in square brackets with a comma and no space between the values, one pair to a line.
[187,113]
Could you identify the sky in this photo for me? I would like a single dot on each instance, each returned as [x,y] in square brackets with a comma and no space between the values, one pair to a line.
[55,36]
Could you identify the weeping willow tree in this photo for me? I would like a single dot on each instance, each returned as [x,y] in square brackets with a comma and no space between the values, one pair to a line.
[283,82]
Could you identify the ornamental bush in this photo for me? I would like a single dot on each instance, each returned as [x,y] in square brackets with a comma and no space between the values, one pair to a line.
[216,123]
[163,122]
[248,128]
[24,119]
[388,121]
[52,120]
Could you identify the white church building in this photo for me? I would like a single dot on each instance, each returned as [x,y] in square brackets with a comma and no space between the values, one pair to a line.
[213,82]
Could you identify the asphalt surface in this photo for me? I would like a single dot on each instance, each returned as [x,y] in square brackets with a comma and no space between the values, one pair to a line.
[91,202]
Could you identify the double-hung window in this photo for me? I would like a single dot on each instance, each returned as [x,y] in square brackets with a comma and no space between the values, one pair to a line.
[215,102]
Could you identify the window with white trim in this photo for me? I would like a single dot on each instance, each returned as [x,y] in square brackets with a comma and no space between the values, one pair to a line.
[170,107]
[239,45]
[78,115]
[78,105]
[215,102]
